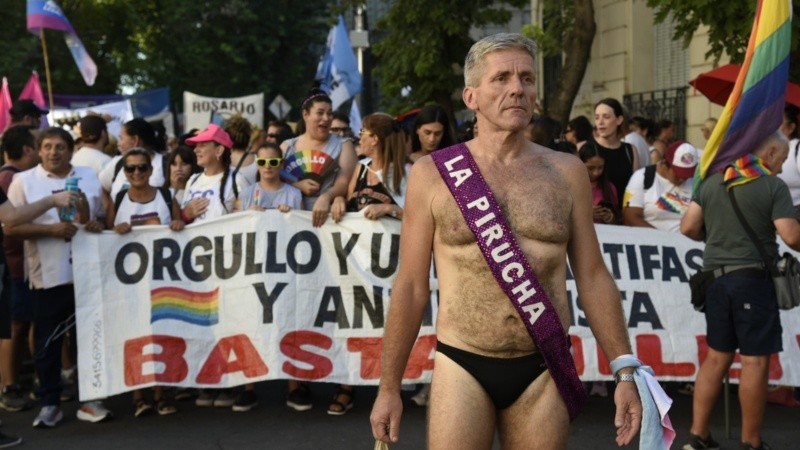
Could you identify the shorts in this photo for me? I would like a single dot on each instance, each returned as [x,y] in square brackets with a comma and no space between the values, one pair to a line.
[5,303]
[742,312]
[21,301]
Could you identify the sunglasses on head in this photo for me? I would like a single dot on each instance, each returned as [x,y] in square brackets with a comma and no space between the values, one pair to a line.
[272,162]
[140,167]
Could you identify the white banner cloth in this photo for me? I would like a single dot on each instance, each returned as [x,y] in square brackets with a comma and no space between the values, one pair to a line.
[197,109]
[260,296]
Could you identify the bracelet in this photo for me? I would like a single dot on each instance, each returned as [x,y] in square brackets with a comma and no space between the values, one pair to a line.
[620,377]
[185,218]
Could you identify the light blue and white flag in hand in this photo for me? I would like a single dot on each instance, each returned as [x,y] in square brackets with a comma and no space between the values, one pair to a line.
[338,68]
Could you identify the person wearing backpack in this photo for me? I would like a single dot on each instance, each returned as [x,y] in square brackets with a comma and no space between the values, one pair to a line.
[142,204]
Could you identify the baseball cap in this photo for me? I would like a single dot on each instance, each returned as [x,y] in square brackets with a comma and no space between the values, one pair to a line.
[682,158]
[26,107]
[214,133]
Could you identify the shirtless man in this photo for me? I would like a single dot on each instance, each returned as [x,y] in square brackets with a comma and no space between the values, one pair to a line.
[547,201]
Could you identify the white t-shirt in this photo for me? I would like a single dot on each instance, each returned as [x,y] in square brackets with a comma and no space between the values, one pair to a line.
[48,260]
[114,183]
[790,172]
[90,157]
[664,204]
[204,186]
[154,212]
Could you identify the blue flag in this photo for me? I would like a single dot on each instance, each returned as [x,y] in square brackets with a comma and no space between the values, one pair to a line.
[338,68]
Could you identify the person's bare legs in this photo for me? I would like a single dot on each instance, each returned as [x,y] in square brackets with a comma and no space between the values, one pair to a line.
[753,396]
[537,420]
[460,413]
[707,388]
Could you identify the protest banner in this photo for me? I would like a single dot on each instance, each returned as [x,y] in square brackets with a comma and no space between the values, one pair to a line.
[197,109]
[259,296]
[119,112]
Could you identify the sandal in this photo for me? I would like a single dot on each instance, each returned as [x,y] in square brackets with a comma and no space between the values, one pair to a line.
[142,408]
[164,408]
[337,408]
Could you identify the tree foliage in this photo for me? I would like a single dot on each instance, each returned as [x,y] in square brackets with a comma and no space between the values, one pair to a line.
[729,24]
[568,29]
[423,45]
[211,47]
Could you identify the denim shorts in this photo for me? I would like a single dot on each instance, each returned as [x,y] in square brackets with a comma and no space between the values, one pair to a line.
[742,312]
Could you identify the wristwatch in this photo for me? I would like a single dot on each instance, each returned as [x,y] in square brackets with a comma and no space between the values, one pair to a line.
[623,377]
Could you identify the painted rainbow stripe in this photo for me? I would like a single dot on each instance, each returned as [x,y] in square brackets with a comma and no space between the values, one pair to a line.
[755,108]
[198,308]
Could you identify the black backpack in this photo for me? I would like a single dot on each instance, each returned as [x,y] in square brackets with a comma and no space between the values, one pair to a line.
[164,193]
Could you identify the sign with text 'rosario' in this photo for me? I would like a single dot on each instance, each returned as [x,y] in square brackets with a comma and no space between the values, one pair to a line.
[259,296]
[198,109]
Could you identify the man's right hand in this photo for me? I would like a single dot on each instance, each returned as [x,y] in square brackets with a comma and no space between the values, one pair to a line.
[385,416]
[64,230]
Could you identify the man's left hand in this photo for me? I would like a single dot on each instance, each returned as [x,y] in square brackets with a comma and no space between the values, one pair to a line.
[628,418]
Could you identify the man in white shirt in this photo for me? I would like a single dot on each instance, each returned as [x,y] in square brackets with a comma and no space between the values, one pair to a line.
[94,135]
[48,258]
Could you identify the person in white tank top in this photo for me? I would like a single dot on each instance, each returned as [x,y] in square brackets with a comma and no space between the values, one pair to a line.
[143,204]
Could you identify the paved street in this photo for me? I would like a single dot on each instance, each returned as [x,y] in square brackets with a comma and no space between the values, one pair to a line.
[274,426]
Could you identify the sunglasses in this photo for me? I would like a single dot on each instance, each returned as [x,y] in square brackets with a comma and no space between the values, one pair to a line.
[273,162]
[272,135]
[142,168]
[340,129]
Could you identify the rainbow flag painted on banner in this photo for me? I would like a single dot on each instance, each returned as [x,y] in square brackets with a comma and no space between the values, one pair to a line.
[198,308]
[755,108]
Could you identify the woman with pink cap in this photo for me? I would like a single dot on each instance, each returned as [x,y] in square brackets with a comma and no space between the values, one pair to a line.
[213,192]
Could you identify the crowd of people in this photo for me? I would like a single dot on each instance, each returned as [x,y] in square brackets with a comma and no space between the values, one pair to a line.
[639,175]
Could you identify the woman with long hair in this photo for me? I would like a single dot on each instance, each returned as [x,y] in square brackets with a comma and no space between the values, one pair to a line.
[621,159]
[431,132]
[213,192]
[377,189]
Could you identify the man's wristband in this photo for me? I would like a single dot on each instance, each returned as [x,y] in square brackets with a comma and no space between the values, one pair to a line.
[619,377]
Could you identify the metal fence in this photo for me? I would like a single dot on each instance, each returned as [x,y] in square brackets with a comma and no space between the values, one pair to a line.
[656,105]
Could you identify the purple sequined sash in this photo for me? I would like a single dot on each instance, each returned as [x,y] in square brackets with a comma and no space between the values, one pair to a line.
[511,269]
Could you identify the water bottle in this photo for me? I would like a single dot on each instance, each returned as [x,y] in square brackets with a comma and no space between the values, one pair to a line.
[67,214]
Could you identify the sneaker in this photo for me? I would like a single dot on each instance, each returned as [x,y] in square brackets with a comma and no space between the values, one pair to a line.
[48,417]
[686,389]
[299,399]
[9,441]
[11,399]
[224,399]
[763,446]
[421,398]
[93,412]
[206,398]
[698,443]
[245,401]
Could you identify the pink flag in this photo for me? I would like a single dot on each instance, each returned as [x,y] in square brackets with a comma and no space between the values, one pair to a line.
[33,91]
[5,106]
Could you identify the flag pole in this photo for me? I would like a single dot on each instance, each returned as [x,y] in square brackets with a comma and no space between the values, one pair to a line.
[47,68]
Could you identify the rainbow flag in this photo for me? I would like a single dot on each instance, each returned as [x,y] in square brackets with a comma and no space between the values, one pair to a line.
[755,108]
[199,308]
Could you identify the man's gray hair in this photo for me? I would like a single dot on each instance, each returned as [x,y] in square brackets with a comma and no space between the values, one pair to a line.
[473,65]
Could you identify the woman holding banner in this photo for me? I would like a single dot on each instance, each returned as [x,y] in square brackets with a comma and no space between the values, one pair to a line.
[377,189]
[338,157]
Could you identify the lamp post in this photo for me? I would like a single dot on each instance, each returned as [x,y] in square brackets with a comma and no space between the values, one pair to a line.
[359,38]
